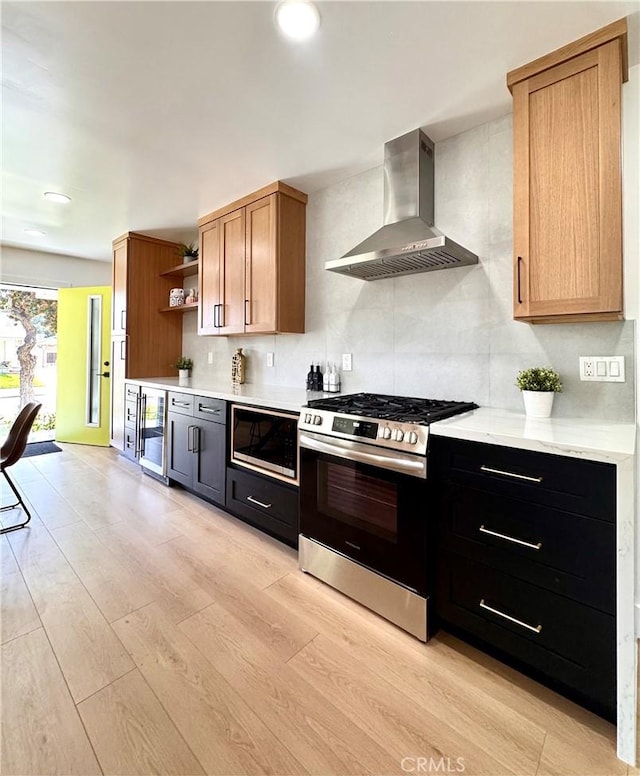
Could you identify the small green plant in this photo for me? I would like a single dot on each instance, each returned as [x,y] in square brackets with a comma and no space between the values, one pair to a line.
[184,363]
[189,251]
[45,421]
[539,378]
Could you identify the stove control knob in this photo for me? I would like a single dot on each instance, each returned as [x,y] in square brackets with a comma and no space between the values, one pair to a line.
[398,435]
[317,420]
[386,432]
[413,438]
[307,418]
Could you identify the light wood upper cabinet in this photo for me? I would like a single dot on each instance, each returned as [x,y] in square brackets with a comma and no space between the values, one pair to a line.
[252,264]
[145,342]
[119,288]
[209,278]
[567,181]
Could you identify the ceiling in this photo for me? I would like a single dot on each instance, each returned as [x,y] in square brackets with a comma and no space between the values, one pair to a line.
[151,114]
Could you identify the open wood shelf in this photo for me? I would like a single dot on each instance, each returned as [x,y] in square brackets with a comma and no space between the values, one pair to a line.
[182,270]
[179,308]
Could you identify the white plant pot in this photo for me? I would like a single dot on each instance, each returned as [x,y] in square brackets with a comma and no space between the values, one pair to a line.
[538,404]
[184,377]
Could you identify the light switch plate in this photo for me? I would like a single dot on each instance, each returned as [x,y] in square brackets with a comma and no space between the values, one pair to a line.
[347,363]
[270,357]
[606,369]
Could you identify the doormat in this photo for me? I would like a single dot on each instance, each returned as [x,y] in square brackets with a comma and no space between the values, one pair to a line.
[40,448]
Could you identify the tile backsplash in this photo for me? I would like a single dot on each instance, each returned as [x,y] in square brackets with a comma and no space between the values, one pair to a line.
[447,334]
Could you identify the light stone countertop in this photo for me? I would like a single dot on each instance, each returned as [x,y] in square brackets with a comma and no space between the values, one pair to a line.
[597,440]
[276,397]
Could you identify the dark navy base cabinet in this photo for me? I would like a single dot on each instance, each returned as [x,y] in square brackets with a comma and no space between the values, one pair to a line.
[526,563]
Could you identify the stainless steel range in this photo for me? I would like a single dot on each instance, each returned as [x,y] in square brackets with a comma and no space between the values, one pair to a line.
[365,500]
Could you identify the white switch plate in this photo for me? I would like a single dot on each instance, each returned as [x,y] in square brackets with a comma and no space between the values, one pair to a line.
[210,357]
[269,359]
[347,363]
[606,369]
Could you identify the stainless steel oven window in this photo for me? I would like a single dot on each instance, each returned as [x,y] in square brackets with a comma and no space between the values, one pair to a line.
[347,494]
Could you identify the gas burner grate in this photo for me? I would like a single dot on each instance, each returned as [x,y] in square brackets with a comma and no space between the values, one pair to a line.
[403,409]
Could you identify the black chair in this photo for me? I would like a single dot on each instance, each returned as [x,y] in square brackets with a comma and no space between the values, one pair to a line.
[12,451]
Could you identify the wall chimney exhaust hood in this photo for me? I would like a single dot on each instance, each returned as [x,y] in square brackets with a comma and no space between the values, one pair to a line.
[408,242]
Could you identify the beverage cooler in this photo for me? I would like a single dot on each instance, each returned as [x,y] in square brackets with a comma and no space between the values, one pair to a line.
[152,419]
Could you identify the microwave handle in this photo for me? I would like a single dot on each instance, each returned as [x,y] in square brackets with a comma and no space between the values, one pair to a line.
[353,451]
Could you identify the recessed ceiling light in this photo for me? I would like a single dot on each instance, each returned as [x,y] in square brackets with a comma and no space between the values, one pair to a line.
[54,196]
[297,19]
[35,232]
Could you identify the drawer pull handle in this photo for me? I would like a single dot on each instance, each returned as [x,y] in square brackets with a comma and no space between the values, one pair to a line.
[534,628]
[259,503]
[484,530]
[489,470]
[208,410]
[180,403]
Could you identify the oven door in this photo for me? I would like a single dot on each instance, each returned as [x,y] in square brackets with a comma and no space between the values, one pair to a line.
[372,515]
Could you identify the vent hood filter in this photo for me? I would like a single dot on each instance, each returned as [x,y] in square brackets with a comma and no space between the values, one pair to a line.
[408,243]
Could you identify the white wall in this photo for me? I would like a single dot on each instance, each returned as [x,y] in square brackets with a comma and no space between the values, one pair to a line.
[51,270]
[447,334]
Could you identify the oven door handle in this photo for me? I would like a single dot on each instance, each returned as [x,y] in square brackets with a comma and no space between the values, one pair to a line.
[413,465]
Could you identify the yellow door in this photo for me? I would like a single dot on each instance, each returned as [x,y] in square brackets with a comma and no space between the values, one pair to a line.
[84,331]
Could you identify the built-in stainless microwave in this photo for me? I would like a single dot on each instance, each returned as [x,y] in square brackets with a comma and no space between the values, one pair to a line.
[266,441]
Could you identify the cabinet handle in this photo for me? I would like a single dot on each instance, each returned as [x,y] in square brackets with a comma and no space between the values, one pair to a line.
[123,351]
[518,274]
[175,403]
[484,530]
[123,319]
[489,470]
[208,410]
[138,425]
[143,423]
[534,628]
[196,439]
[190,439]
[216,324]
[221,316]
[259,503]
[247,322]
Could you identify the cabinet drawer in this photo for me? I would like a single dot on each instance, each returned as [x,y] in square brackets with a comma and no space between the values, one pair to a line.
[266,504]
[569,554]
[180,402]
[568,642]
[131,392]
[130,414]
[569,484]
[209,409]
[130,443]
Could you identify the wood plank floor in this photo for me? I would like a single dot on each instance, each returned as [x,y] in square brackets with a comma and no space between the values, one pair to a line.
[145,632]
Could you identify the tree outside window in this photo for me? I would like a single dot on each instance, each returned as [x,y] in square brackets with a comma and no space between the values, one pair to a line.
[34,313]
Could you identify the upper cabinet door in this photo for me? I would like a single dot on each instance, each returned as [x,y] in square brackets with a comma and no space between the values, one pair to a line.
[261,266]
[119,299]
[209,278]
[568,190]
[232,250]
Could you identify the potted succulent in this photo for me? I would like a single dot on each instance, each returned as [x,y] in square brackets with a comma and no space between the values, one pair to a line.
[189,252]
[538,384]
[184,366]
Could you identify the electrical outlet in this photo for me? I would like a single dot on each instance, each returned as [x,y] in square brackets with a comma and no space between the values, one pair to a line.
[347,363]
[606,369]
[587,368]
[210,357]
[269,359]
